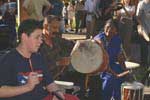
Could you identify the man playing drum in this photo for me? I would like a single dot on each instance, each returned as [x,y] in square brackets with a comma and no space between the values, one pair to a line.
[23,73]
[113,77]
[22,69]
[55,49]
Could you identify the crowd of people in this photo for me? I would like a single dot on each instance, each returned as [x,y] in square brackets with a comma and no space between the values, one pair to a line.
[40,54]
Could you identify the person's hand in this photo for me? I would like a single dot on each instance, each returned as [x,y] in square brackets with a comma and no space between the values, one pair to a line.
[60,94]
[54,89]
[33,80]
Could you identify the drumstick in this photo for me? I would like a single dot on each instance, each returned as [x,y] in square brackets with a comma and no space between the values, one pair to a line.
[38,75]
[123,73]
[86,81]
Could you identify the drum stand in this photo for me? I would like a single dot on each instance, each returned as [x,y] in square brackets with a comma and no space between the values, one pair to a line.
[86,85]
[59,73]
[146,78]
[92,87]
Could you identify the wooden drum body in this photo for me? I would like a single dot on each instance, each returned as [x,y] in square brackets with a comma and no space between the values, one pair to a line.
[132,91]
[88,57]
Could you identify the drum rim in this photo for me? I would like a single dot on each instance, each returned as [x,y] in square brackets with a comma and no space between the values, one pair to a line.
[134,85]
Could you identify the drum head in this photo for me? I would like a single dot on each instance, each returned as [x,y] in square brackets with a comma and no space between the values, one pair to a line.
[133,86]
[86,56]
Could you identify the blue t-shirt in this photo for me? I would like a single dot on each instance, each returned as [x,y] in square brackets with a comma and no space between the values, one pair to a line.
[14,71]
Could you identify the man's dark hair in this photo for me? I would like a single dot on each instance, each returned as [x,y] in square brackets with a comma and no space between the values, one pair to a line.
[28,26]
[51,18]
[113,23]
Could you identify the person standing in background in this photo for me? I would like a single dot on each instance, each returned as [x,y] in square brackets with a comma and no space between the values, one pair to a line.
[104,11]
[57,8]
[2,7]
[9,19]
[90,17]
[55,49]
[143,17]
[126,25]
[34,8]
[57,11]
[79,15]
[65,15]
[71,14]
[23,12]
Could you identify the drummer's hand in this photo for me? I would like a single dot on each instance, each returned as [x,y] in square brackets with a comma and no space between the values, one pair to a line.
[63,61]
[59,93]
[33,80]
[122,74]
[118,75]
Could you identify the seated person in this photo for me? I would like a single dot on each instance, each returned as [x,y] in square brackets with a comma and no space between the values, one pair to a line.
[55,49]
[113,77]
[23,74]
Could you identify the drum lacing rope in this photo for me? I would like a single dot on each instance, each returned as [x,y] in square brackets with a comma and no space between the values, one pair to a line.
[128,96]
[134,93]
[139,94]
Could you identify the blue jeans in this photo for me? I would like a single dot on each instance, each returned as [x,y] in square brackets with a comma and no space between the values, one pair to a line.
[111,86]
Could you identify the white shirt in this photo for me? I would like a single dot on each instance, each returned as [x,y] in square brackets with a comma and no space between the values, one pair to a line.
[34,7]
[89,7]
[130,9]
[143,11]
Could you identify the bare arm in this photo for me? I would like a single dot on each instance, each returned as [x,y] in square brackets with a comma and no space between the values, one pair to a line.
[118,75]
[139,12]
[11,91]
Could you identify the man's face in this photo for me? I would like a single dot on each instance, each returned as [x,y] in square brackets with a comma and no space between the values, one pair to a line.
[54,26]
[34,41]
[110,31]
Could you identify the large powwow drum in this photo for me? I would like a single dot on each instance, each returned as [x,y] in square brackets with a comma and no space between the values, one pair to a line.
[88,57]
[132,91]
